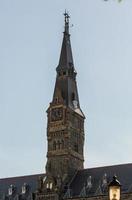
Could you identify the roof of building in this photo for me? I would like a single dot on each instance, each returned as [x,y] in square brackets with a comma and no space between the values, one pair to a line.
[94,181]
[18,182]
[87,182]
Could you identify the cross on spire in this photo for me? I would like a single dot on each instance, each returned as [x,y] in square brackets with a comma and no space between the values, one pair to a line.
[66,15]
[66,59]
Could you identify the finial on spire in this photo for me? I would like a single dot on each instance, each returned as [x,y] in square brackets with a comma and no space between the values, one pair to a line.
[66,17]
[66,22]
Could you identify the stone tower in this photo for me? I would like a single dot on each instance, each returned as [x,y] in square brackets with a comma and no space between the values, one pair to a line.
[65,129]
[65,126]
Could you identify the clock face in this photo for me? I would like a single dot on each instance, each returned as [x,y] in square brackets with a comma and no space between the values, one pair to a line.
[56,114]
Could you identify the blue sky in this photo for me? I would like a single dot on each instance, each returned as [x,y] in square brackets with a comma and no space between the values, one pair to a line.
[30,42]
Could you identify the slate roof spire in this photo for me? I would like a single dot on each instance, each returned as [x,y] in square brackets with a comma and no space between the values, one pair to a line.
[66,59]
[66,91]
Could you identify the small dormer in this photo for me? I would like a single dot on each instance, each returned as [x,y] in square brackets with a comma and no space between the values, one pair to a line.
[104,183]
[89,182]
[11,190]
[104,180]
[49,184]
[25,188]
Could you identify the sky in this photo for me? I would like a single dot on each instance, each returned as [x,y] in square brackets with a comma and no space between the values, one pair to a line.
[31,34]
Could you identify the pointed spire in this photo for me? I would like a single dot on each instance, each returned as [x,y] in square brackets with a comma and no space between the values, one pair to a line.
[66,59]
[65,91]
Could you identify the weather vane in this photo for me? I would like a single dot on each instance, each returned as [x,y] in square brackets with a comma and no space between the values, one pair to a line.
[66,17]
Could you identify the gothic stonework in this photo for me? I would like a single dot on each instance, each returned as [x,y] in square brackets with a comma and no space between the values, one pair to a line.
[65,128]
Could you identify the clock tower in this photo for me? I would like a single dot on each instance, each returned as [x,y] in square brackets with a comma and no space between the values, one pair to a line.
[65,126]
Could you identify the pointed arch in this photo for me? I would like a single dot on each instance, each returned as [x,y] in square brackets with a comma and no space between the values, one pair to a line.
[62,144]
[54,145]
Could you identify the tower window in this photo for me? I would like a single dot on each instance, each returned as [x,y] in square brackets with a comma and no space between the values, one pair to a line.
[70,71]
[58,144]
[73,96]
[56,100]
[63,94]
[71,64]
[54,145]
[76,147]
[62,144]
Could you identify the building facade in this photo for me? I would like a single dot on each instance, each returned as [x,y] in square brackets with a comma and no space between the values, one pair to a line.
[65,176]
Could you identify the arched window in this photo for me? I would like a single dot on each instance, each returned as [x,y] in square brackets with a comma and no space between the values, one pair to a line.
[76,147]
[59,144]
[54,145]
[62,144]
[63,94]
[56,100]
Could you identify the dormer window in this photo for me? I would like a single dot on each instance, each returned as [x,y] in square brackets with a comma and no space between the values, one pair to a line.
[44,179]
[24,188]
[74,101]
[89,182]
[104,181]
[75,104]
[10,190]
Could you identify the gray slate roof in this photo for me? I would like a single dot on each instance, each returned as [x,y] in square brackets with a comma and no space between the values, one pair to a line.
[31,181]
[87,182]
[94,181]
